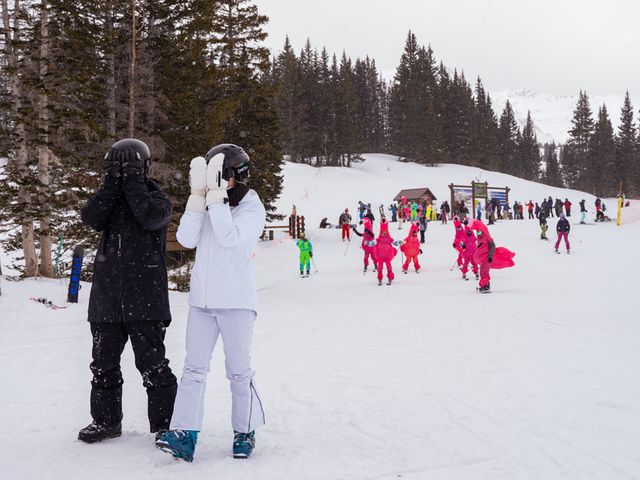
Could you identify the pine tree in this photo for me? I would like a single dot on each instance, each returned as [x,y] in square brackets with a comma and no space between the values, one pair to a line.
[485,128]
[576,162]
[18,197]
[345,135]
[552,168]
[458,121]
[248,99]
[598,176]
[404,115]
[626,158]
[286,78]
[508,140]
[528,151]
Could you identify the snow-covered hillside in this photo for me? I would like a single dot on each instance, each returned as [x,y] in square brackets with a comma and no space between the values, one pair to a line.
[552,114]
[423,379]
[325,192]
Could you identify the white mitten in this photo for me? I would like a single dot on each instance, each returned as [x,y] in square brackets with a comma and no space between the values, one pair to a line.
[216,185]
[198,182]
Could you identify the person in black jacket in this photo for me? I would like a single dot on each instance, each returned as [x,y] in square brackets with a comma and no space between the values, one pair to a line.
[129,296]
[562,228]
[542,218]
[583,211]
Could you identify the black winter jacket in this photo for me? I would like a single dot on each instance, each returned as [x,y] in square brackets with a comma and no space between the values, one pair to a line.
[563,225]
[129,273]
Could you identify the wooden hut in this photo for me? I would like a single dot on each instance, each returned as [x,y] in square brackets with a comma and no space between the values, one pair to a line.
[421,196]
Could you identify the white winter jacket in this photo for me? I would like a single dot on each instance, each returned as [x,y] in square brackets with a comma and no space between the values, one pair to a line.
[223,275]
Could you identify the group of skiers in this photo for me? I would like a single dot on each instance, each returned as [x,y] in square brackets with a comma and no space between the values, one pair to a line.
[473,242]
[476,247]
[129,298]
[381,250]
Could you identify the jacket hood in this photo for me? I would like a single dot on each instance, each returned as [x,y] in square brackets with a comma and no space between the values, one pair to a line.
[414,229]
[384,228]
[481,227]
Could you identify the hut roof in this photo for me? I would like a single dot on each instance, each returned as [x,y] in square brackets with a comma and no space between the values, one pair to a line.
[413,194]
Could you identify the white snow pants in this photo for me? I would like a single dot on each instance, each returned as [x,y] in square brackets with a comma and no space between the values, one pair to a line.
[203,327]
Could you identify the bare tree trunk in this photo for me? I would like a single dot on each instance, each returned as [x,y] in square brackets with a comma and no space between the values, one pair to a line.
[111,76]
[22,154]
[132,71]
[46,266]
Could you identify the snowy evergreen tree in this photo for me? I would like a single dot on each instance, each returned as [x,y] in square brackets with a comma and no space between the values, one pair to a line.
[529,151]
[485,130]
[552,168]
[575,163]
[626,158]
[599,175]
[508,140]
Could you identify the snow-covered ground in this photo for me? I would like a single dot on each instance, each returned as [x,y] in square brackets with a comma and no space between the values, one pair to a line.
[424,379]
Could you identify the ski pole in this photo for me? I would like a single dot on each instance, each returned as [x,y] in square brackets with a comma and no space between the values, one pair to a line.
[348,243]
[315,269]
[454,264]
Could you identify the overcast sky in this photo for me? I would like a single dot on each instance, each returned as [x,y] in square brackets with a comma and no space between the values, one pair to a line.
[549,46]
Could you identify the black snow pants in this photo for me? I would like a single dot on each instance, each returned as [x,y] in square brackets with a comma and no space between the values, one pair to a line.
[147,341]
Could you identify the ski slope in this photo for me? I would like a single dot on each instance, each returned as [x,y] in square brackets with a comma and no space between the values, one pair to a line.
[423,379]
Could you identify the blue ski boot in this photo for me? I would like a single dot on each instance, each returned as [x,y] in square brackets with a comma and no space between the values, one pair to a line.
[179,443]
[243,444]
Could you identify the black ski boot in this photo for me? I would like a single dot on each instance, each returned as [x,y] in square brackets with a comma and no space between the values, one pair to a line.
[93,432]
[379,282]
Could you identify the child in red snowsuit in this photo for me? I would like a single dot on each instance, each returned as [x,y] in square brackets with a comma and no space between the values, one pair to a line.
[367,237]
[411,249]
[384,252]
[487,256]
[468,245]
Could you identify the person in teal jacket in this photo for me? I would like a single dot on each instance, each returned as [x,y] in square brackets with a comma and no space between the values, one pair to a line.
[306,252]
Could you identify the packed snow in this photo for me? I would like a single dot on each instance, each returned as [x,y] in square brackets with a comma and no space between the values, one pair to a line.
[423,379]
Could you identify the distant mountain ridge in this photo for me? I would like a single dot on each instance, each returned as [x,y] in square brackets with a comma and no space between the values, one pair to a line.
[552,113]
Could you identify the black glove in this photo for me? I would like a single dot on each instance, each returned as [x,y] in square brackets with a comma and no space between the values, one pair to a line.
[112,164]
[420,250]
[311,254]
[454,244]
[490,259]
[132,164]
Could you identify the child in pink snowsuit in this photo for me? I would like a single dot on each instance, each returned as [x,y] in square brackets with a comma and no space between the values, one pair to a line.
[468,245]
[457,224]
[384,252]
[411,249]
[487,256]
[367,237]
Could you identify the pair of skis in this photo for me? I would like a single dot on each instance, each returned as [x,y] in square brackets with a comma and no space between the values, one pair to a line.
[47,303]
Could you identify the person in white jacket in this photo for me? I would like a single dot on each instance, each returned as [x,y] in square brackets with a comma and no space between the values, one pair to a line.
[223,220]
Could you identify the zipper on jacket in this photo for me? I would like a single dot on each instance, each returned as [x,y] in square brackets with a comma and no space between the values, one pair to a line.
[206,276]
[119,245]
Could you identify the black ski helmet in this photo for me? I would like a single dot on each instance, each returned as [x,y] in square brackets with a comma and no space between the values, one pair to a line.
[138,146]
[236,161]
